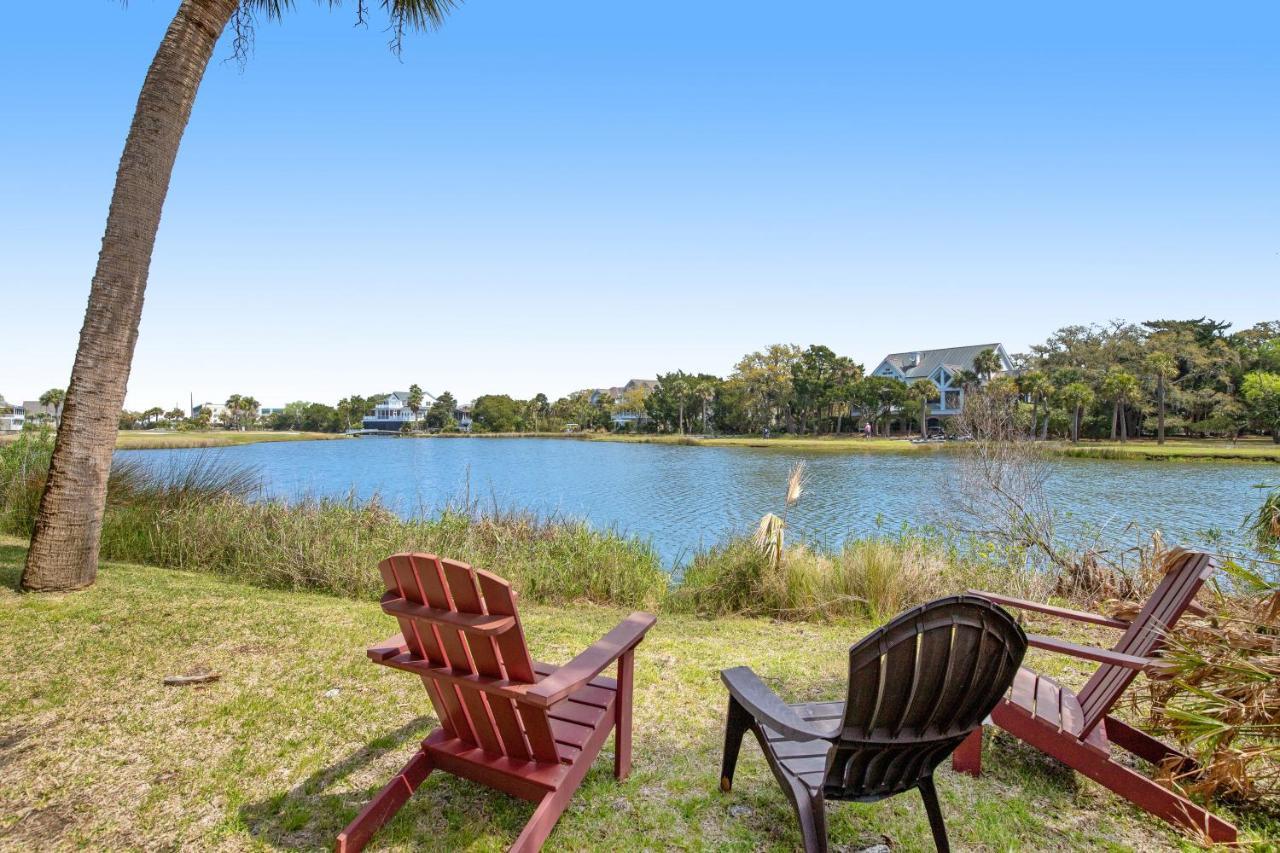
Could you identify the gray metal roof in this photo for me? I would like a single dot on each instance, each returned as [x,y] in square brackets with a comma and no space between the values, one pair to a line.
[955,358]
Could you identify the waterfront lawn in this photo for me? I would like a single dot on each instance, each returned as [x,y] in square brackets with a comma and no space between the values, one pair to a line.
[301,730]
[147,439]
[1252,449]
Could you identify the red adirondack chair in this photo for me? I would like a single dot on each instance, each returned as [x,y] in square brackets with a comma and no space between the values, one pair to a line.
[529,729]
[1078,729]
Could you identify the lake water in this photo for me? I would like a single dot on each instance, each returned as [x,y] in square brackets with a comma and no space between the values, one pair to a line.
[681,497]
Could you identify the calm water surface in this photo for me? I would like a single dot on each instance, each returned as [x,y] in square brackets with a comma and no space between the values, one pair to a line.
[683,497]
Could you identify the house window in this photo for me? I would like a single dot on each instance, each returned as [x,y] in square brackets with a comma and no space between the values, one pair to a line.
[952,400]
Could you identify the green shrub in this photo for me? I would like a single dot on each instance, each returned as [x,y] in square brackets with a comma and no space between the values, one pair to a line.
[23,465]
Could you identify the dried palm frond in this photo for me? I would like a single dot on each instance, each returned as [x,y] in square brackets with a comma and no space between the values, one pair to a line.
[769,538]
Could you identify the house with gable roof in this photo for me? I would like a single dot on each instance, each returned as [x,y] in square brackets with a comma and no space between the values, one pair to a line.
[941,367]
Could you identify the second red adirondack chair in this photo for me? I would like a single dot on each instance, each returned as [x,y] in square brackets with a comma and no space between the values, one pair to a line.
[1078,729]
[529,729]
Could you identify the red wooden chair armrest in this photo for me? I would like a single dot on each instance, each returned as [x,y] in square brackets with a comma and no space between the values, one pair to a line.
[591,662]
[1066,647]
[1049,609]
[388,648]
[765,706]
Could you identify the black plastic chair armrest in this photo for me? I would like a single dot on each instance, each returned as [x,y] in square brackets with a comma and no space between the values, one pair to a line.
[765,706]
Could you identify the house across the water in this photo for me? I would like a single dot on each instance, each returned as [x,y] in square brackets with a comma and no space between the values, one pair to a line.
[941,367]
[394,412]
[12,416]
[617,395]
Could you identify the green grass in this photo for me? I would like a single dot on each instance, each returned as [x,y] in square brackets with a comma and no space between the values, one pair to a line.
[1245,450]
[147,439]
[843,444]
[152,440]
[97,753]
[1251,449]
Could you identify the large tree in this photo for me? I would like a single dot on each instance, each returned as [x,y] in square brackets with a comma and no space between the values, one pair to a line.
[64,546]
[1262,392]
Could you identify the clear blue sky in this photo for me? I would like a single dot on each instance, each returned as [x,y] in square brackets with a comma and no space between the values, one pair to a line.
[545,196]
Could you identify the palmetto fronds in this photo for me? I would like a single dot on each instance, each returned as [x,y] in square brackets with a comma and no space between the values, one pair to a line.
[401,16]
[771,532]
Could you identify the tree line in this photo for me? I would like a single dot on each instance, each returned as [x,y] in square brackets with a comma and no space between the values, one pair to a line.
[1117,380]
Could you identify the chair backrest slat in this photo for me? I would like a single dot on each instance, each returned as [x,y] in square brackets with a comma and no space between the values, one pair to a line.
[438,604]
[400,577]
[461,579]
[917,687]
[1186,574]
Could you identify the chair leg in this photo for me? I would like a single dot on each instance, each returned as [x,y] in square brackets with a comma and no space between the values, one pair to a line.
[968,755]
[736,724]
[622,717]
[812,814]
[930,796]
[385,804]
[1146,747]
[543,820]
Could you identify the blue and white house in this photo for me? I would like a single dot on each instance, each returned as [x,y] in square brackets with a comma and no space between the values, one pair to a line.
[394,412]
[940,366]
[12,416]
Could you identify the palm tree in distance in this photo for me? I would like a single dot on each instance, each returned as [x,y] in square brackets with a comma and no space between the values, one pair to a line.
[1037,386]
[54,397]
[1163,367]
[1076,396]
[986,364]
[1121,389]
[64,546]
[923,390]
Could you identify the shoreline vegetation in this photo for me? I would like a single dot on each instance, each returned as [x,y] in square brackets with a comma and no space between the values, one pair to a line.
[1138,450]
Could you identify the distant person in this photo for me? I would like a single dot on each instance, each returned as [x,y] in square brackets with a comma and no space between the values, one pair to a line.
[766,432]
[866,429]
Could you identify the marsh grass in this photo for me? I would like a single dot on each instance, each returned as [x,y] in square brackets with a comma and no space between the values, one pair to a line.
[873,578]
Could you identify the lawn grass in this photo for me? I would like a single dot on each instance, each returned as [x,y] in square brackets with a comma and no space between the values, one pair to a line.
[1244,450]
[1251,449]
[153,440]
[301,730]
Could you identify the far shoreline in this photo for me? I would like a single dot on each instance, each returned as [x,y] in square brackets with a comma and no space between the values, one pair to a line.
[1252,450]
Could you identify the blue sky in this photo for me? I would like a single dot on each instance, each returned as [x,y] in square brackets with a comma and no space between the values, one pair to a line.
[548,196]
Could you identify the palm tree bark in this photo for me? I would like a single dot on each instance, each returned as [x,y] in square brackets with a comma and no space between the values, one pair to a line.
[1160,394]
[64,547]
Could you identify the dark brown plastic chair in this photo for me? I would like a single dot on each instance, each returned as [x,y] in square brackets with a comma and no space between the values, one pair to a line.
[917,688]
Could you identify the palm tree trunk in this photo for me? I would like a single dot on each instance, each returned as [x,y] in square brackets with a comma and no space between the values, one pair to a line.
[1160,421]
[1044,430]
[1075,427]
[64,547]
[1115,418]
[1124,423]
